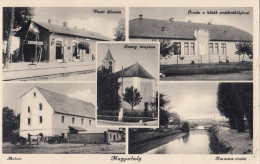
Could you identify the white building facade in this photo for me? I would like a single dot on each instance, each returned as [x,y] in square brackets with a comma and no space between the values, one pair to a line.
[48,113]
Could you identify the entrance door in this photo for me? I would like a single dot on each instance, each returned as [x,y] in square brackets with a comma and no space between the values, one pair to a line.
[75,50]
[59,54]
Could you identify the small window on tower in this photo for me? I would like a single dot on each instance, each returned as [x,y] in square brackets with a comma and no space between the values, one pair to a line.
[34,94]
[89,122]
[40,119]
[73,120]
[29,109]
[40,106]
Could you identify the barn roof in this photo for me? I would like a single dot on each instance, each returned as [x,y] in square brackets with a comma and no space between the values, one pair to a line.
[109,55]
[71,31]
[152,28]
[135,70]
[67,105]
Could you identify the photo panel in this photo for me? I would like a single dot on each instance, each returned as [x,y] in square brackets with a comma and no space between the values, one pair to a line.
[55,118]
[202,43]
[57,43]
[199,118]
[127,84]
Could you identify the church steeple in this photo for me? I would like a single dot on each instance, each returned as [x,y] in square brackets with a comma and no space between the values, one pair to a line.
[108,61]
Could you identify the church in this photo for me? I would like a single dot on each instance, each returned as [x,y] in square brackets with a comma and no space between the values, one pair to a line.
[134,75]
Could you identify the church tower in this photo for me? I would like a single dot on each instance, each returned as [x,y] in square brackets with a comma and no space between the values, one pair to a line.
[109,62]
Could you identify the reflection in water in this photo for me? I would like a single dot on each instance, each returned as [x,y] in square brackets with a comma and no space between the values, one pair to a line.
[196,142]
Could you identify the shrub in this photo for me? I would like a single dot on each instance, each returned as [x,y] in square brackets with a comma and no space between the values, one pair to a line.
[185,127]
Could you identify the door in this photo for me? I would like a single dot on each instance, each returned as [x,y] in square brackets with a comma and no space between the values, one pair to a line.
[59,54]
[75,50]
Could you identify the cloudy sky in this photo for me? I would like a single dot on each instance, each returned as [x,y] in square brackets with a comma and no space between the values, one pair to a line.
[244,22]
[148,58]
[192,100]
[13,91]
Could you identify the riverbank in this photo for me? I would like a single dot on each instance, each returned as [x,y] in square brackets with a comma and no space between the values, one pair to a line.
[142,142]
[227,141]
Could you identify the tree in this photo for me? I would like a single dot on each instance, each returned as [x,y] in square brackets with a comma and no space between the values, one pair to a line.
[235,101]
[107,90]
[132,96]
[10,121]
[163,103]
[166,48]
[13,20]
[119,31]
[243,48]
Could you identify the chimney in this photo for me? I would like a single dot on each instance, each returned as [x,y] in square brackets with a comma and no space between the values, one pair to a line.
[65,24]
[162,29]
[141,16]
[75,27]
[49,21]
[171,19]
[209,23]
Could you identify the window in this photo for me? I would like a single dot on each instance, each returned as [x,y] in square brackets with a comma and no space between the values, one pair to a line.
[62,119]
[216,48]
[73,120]
[110,136]
[153,40]
[177,48]
[34,94]
[29,109]
[89,122]
[223,48]
[211,48]
[29,121]
[40,106]
[87,51]
[192,48]
[82,121]
[186,48]
[40,119]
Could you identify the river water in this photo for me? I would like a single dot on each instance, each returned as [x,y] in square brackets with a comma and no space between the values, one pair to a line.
[196,142]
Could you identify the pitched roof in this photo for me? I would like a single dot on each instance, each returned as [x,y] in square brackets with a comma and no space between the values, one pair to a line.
[135,70]
[152,28]
[71,31]
[109,55]
[67,105]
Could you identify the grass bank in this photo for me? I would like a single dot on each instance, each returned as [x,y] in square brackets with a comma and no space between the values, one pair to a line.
[209,69]
[142,142]
[227,141]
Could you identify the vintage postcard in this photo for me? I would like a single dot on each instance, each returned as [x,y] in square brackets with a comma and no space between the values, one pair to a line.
[130,81]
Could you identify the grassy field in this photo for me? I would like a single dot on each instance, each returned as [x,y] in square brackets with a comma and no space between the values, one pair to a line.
[44,148]
[216,69]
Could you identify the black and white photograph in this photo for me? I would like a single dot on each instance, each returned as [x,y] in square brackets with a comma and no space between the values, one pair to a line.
[127,84]
[55,118]
[56,43]
[198,43]
[199,118]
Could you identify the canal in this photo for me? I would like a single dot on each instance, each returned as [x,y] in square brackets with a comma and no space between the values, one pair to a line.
[196,142]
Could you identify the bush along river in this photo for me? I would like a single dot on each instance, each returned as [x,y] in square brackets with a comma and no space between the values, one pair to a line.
[195,142]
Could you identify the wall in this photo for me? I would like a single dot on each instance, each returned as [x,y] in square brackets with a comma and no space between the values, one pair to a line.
[97,138]
[67,42]
[35,127]
[146,87]
[60,127]
[213,58]
[113,136]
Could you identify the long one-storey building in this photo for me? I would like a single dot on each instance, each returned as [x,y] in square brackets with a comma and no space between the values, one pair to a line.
[194,42]
[57,42]
[48,113]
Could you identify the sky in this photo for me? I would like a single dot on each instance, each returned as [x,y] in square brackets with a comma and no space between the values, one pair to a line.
[148,58]
[13,91]
[243,21]
[192,100]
